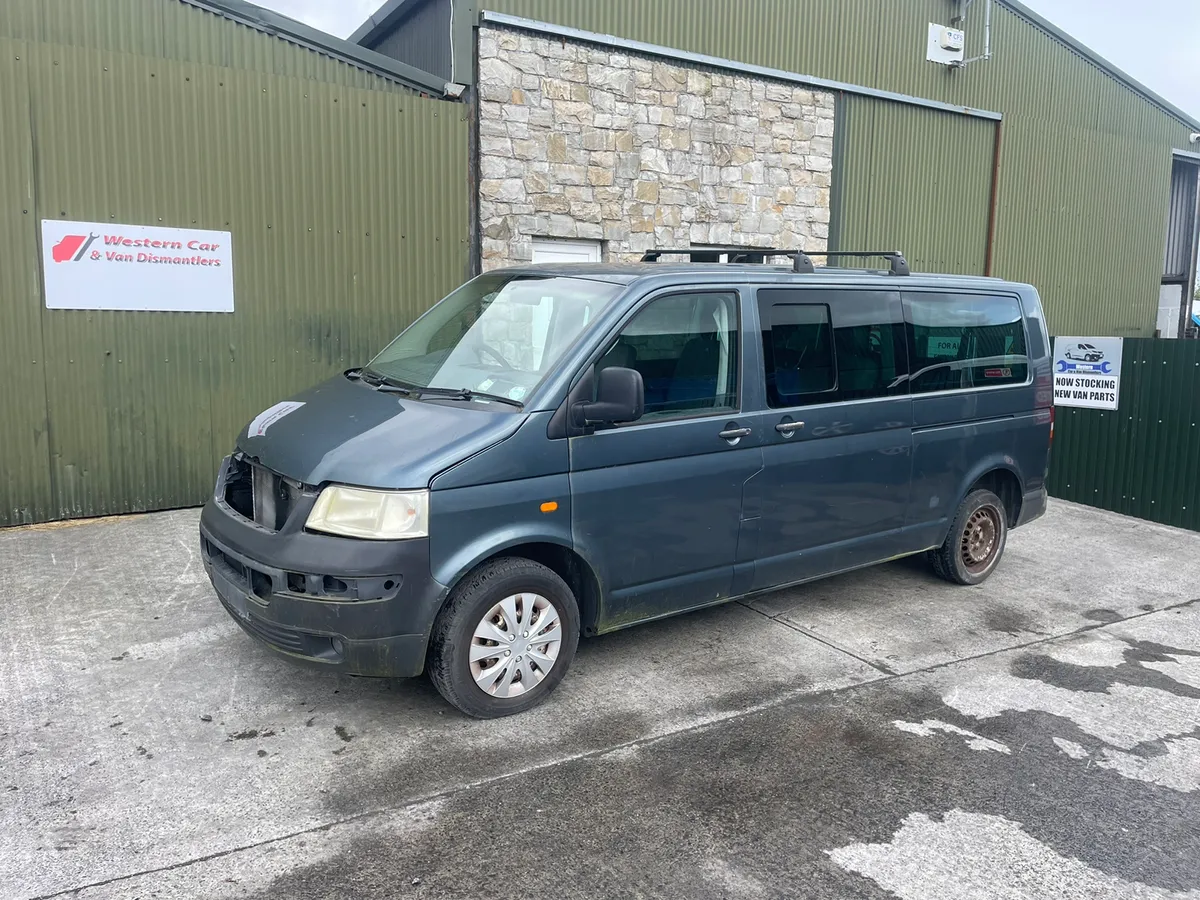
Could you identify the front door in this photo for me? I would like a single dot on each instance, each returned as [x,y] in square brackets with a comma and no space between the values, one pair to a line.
[837,433]
[658,502]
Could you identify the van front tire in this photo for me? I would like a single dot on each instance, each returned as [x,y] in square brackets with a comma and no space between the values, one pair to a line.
[504,639]
[973,547]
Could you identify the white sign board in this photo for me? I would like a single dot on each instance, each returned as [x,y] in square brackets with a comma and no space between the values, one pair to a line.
[99,265]
[1087,372]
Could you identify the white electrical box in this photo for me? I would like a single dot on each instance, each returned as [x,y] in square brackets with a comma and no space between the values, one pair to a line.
[952,39]
[946,45]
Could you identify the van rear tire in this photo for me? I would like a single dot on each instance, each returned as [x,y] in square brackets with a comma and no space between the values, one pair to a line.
[976,541]
[505,638]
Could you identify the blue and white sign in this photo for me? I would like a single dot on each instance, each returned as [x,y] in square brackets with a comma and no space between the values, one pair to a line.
[1087,372]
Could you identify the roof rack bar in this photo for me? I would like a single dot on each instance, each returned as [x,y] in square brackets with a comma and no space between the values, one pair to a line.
[898,265]
[749,252]
[801,262]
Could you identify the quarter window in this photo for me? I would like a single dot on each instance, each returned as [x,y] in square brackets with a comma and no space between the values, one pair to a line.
[963,341]
[686,348]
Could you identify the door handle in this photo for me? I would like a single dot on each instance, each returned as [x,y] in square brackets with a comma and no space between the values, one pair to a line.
[732,434]
[789,427]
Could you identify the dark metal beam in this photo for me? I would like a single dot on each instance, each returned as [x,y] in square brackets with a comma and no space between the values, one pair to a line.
[305,36]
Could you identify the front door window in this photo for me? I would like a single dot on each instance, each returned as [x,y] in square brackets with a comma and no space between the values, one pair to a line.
[686,348]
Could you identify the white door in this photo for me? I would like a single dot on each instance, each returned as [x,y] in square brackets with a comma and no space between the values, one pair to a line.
[1170,302]
[547,250]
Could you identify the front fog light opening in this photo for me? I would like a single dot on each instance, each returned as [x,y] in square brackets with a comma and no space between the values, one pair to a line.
[338,647]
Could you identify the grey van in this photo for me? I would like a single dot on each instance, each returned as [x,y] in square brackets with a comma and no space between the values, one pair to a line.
[557,451]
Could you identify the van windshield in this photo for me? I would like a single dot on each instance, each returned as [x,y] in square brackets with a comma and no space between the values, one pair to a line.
[497,334]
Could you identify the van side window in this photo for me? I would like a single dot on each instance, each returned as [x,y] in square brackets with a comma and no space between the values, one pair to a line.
[868,335]
[823,346]
[964,341]
[686,348]
[797,352]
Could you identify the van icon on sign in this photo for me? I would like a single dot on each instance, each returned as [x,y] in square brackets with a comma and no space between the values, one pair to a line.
[72,247]
[1084,353]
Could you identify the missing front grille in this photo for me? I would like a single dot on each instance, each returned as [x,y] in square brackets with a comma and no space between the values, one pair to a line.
[239,488]
[258,494]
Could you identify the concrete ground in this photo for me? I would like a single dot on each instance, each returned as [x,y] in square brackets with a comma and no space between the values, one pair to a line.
[875,735]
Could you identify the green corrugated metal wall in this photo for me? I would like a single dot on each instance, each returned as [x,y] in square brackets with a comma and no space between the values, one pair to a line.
[169,29]
[913,179]
[25,492]
[348,210]
[1085,161]
[1143,458]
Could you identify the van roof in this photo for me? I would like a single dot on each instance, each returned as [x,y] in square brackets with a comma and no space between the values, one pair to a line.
[757,273]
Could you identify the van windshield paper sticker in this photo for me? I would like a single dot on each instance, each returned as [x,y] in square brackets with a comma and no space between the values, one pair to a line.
[1087,372]
[267,418]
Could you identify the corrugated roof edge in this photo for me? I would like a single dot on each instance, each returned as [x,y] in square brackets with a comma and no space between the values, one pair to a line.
[351,53]
[381,20]
[389,12]
[1092,56]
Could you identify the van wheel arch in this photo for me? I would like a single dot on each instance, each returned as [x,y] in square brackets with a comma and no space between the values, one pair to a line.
[1005,484]
[563,562]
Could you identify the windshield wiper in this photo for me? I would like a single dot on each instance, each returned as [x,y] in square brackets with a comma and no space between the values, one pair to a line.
[468,394]
[382,383]
[388,385]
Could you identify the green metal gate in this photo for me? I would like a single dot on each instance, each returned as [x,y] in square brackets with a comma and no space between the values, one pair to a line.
[1142,459]
[348,211]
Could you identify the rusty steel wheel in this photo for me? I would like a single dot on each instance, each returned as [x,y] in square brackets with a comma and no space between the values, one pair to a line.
[980,539]
[976,540]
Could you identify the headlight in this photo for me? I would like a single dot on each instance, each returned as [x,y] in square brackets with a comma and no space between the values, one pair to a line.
[376,515]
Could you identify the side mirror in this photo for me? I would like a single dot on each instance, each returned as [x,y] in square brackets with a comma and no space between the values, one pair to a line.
[620,397]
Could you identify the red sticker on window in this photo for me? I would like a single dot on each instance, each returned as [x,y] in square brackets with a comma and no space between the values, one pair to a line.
[997,373]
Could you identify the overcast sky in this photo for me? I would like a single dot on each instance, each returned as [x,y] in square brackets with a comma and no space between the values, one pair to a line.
[1155,41]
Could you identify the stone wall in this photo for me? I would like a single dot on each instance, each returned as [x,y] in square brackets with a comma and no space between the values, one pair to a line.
[577,141]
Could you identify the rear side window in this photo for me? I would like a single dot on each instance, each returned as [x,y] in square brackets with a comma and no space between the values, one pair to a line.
[822,346]
[964,341]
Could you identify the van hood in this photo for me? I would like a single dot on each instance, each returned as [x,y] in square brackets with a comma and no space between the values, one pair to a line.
[347,432]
